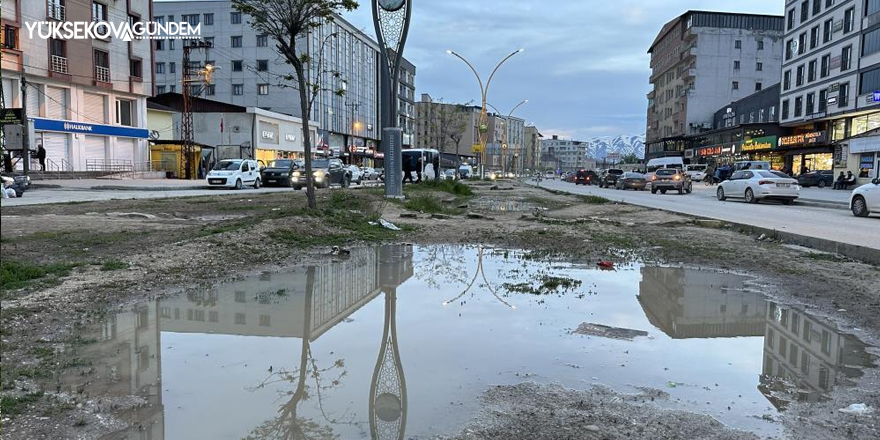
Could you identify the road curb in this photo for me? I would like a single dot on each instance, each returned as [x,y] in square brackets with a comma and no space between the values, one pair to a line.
[146,188]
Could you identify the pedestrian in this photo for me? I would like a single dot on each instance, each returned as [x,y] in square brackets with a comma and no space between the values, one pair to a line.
[840,182]
[420,164]
[407,170]
[436,164]
[41,156]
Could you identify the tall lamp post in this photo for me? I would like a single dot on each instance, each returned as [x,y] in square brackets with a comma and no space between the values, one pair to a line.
[484,116]
[391,19]
[504,133]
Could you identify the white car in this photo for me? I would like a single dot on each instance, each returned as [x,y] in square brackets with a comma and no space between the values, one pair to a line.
[865,199]
[357,176]
[235,173]
[756,185]
[370,173]
[697,173]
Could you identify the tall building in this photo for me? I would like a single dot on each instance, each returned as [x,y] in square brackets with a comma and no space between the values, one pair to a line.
[565,154]
[701,61]
[253,74]
[532,148]
[830,77]
[87,97]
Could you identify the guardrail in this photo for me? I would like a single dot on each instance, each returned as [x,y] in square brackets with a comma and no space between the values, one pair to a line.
[109,165]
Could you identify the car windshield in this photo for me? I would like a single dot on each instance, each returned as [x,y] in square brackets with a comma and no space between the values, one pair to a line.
[772,174]
[323,163]
[634,176]
[615,171]
[228,165]
[667,172]
[280,164]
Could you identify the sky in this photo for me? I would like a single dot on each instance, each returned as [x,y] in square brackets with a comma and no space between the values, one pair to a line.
[585,65]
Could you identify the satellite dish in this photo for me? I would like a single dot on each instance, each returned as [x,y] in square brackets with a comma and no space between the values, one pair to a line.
[154,135]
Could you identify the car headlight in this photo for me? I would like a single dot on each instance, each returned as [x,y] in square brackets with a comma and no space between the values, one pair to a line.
[296,174]
[318,175]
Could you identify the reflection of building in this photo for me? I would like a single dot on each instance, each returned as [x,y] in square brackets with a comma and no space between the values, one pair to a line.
[275,304]
[809,354]
[686,303]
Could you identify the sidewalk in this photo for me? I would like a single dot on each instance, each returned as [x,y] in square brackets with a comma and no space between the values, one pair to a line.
[122,184]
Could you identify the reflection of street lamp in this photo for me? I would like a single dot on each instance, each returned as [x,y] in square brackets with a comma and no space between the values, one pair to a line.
[488,285]
[483,126]
[504,133]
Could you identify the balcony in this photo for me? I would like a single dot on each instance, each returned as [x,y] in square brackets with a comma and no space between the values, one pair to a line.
[102,74]
[56,11]
[59,64]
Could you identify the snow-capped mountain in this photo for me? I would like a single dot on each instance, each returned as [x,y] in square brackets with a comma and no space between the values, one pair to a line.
[600,147]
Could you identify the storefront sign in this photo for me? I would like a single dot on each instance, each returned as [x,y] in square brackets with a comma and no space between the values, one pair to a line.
[876,96]
[11,116]
[290,137]
[864,144]
[96,129]
[718,150]
[814,138]
[269,132]
[840,155]
[760,144]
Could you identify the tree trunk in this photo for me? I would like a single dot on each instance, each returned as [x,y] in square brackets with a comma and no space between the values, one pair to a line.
[306,110]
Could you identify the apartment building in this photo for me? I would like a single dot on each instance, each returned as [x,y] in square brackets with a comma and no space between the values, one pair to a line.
[701,61]
[565,155]
[830,80]
[86,96]
[253,74]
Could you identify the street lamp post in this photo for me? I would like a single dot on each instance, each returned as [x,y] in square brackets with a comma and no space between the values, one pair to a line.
[483,127]
[504,133]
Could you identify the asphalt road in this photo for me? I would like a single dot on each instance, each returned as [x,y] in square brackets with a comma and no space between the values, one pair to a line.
[826,223]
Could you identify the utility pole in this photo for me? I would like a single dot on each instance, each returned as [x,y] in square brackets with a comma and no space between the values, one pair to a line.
[25,133]
[187,123]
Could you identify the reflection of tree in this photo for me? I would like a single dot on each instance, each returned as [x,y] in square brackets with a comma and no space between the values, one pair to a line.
[480,272]
[289,425]
[441,265]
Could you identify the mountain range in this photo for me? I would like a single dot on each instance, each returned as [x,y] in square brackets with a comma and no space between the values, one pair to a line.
[600,147]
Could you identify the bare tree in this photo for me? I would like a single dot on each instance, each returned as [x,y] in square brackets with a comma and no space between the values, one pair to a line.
[289,22]
[449,122]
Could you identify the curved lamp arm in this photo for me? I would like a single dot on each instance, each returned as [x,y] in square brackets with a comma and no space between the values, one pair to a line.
[499,66]
[480,80]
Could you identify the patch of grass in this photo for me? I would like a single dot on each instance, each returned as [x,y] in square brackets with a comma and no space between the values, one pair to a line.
[816,256]
[16,275]
[425,204]
[222,228]
[447,186]
[307,240]
[114,265]
[593,200]
[546,285]
[12,406]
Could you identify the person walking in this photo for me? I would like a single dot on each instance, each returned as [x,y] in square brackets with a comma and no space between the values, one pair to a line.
[41,156]
[407,170]
[420,166]
[436,164]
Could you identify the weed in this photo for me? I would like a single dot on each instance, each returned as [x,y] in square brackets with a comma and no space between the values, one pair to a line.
[447,186]
[16,275]
[12,406]
[425,204]
[114,265]
[593,200]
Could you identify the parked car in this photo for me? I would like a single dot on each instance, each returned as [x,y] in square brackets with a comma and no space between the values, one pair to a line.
[19,184]
[865,199]
[609,178]
[235,173]
[278,172]
[370,173]
[449,174]
[357,176]
[585,177]
[326,172]
[635,181]
[675,179]
[821,178]
[697,172]
[756,185]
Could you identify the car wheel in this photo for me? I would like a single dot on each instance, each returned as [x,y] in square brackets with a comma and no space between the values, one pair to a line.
[720,194]
[296,188]
[690,189]
[822,184]
[787,202]
[680,190]
[859,207]
[750,196]
[663,191]
[257,184]
[346,182]
[653,191]
[238,184]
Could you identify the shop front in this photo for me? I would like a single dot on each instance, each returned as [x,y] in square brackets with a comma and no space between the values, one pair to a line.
[807,152]
[278,139]
[764,149]
[859,155]
[723,154]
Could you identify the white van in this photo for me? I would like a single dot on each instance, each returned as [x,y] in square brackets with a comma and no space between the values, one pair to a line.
[235,173]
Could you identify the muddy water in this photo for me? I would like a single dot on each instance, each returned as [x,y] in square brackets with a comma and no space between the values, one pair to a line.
[398,338]
[494,204]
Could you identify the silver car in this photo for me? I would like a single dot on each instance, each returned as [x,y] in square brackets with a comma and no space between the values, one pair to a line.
[756,185]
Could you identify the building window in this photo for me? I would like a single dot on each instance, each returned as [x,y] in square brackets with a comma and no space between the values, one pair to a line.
[235,17]
[758,87]
[58,53]
[791,19]
[870,81]
[172,88]
[235,41]
[172,67]
[160,44]
[237,89]
[760,44]
[785,106]
[263,89]
[798,106]
[823,98]
[826,66]
[102,66]
[849,20]
[811,103]
[871,42]
[160,90]
[811,71]
[846,58]
[802,43]
[236,66]
[262,41]
[170,44]
[124,112]
[192,19]
[262,65]
[786,80]
[209,90]
[10,37]
[799,81]
[208,19]
[736,65]
[843,96]
[759,66]
[738,44]
[805,11]
[209,41]
[827,30]
[99,12]
[872,7]
[135,68]
[817,7]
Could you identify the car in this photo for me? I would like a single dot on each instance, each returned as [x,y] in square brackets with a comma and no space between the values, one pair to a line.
[752,165]
[820,178]
[756,185]
[609,178]
[585,177]
[19,184]
[326,172]
[449,174]
[235,173]
[357,176]
[278,172]
[465,171]
[635,181]
[675,179]
[865,199]
[549,175]
[370,173]
[697,172]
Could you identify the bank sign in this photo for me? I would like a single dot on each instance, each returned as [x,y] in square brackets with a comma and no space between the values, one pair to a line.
[760,144]
[94,129]
[803,139]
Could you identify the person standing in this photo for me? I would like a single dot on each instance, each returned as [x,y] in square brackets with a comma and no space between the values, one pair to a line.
[41,156]
[407,170]
[436,164]
[420,166]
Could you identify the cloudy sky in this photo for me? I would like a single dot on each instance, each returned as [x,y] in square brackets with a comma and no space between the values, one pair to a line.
[584,68]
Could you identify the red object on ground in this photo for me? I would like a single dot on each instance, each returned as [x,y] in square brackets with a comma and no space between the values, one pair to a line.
[605,265]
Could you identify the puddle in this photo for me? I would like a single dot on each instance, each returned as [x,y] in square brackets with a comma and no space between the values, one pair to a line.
[399,339]
[501,205]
